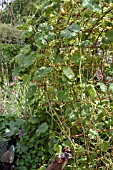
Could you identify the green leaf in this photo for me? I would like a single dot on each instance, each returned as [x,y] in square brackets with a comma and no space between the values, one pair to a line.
[106,40]
[25,60]
[25,34]
[74,28]
[30,28]
[70,31]
[51,36]
[102,86]
[42,129]
[67,143]
[42,167]
[17,70]
[70,114]
[111,87]
[91,5]
[111,105]
[110,34]
[105,146]
[11,133]
[67,33]
[92,134]
[33,120]
[109,37]
[108,1]
[42,72]
[62,96]
[68,111]
[75,59]
[45,27]
[65,0]
[26,49]
[23,167]
[31,90]
[86,43]
[26,78]
[68,72]
[57,148]
[91,90]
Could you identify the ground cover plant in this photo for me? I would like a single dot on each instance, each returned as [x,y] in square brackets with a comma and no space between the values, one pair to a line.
[63,89]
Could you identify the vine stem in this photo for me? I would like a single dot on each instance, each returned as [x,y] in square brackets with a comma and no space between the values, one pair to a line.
[96,23]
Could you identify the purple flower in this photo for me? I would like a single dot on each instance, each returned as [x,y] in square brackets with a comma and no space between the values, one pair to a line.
[98,74]
[15,78]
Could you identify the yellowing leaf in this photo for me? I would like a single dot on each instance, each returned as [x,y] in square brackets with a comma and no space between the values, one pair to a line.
[68,73]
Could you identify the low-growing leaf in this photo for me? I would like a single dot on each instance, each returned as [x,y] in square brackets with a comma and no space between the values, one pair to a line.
[33,120]
[31,91]
[42,129]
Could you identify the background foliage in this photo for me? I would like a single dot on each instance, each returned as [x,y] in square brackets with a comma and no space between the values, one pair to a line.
[63,91]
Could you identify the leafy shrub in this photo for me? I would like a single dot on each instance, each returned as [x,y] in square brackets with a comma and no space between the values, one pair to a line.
[9,34]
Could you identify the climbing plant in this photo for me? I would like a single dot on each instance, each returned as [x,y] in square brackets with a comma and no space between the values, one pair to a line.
[67,66]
